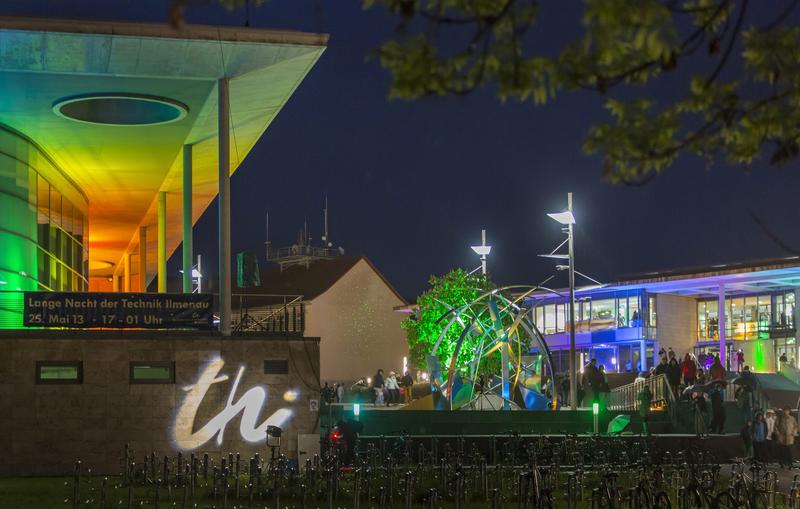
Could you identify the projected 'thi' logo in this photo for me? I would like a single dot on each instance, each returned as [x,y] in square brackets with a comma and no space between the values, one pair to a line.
[250,405]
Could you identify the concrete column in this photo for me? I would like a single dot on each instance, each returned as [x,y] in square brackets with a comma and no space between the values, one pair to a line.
[126,272]
[162,242]
[223,127]
[796,327]
[142,258]
[115,282]
[721,322]
[643,355]
[187,219]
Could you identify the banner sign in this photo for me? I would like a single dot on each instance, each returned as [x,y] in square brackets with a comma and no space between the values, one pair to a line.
[118,310]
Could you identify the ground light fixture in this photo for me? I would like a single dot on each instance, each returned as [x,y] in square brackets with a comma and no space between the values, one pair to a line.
[356,409]
[596,415]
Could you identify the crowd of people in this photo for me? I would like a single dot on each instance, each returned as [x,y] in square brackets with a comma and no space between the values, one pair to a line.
[382,389]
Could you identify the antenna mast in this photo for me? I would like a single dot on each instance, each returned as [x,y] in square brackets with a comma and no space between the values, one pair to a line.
[267,243]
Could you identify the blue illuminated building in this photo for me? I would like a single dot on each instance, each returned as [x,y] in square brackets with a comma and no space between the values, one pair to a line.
[623,322]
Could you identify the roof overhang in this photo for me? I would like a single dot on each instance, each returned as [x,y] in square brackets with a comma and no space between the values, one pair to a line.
[121,169]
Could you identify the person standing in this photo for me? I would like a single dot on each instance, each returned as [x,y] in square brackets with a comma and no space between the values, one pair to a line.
[645,398]
[393,389]
[377,388]
[716,371]
[407,383]
[769,420]
[673,373]
[760,438]
[661,369]
[747,439]
[688,370]
[700,411]
[717,411]
[603,389]
[787,429]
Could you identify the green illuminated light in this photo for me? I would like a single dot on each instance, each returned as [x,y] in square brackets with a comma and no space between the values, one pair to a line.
[356,409]
[595,408]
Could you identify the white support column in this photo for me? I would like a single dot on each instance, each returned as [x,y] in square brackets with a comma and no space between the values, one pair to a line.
[162,242]
[187,219]
[223,137]
[643,355]
[721,322]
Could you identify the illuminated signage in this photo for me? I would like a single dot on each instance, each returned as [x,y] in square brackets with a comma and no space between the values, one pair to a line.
[249,405]
[118,310]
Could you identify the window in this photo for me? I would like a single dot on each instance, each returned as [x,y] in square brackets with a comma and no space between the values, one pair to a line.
[549,319]
[622,312]
[603,311]
[651,311]
[152,372]
[276,367]
[59,372]
[635,313]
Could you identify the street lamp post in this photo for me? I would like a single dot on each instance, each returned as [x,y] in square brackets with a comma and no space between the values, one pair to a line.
[567,219]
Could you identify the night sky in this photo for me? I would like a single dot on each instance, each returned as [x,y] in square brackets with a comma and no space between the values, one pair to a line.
[411,184]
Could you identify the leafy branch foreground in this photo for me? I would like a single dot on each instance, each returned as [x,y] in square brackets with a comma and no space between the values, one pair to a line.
[735,66]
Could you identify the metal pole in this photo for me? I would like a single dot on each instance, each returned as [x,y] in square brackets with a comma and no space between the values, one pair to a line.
[200,271]
[223,117]
[162,242]
[721,322]
[483,257]
[573,371]
[143,259]
[187,219]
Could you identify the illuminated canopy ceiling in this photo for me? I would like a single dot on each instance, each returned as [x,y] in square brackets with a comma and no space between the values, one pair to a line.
[45,65]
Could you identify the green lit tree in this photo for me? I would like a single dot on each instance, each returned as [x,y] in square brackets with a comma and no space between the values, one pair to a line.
[738,85]
[453,290]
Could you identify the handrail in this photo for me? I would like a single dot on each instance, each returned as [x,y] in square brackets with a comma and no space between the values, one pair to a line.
[625,397]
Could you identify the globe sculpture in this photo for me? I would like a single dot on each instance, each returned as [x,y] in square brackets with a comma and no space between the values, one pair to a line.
[508,365]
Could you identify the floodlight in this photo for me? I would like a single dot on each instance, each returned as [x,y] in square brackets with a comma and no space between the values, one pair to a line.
[563,217]
[482,250]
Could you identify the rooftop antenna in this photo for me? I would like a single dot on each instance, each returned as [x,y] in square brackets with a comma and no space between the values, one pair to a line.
[326,241]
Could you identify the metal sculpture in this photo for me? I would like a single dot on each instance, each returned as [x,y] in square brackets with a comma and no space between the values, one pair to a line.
[497,321]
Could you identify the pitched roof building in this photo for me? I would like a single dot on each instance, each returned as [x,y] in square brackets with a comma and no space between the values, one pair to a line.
[349,305]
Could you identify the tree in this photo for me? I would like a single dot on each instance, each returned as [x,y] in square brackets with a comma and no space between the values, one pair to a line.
[453,290]
[742,106]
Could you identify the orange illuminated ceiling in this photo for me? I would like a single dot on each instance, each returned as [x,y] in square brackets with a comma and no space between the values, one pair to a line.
[121,168]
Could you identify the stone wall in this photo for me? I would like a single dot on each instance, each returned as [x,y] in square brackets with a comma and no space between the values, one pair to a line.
[677,323]
[44,428]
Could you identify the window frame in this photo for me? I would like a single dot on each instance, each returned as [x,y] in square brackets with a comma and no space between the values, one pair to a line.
[160,364]
[58,381]
[264,366]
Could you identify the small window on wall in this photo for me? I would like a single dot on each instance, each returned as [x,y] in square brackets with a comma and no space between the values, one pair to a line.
[276,367]
[152,372]
[59,372]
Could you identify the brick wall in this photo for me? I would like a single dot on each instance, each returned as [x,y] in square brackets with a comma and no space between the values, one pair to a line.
[44,428]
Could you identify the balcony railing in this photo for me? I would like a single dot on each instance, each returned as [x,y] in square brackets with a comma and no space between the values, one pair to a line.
[274,314]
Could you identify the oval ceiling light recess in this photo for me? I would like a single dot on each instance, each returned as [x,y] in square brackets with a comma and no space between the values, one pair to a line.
[120,109]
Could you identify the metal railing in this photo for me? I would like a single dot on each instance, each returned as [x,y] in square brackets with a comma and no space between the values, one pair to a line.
[297,250]
[626,397]
[275,314]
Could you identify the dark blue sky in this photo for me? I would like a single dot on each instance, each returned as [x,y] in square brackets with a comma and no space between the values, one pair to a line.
[411,184]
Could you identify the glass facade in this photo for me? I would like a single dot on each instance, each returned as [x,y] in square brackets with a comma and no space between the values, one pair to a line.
[747,317]
[604,312]
[43,227]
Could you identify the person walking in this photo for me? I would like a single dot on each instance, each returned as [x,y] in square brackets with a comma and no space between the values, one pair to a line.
[688,370]
[787,429]
[377,388]
[716,371]
[645,398]
[760,438]
[717,411]
[603,389]
[393,389]
[661,369]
